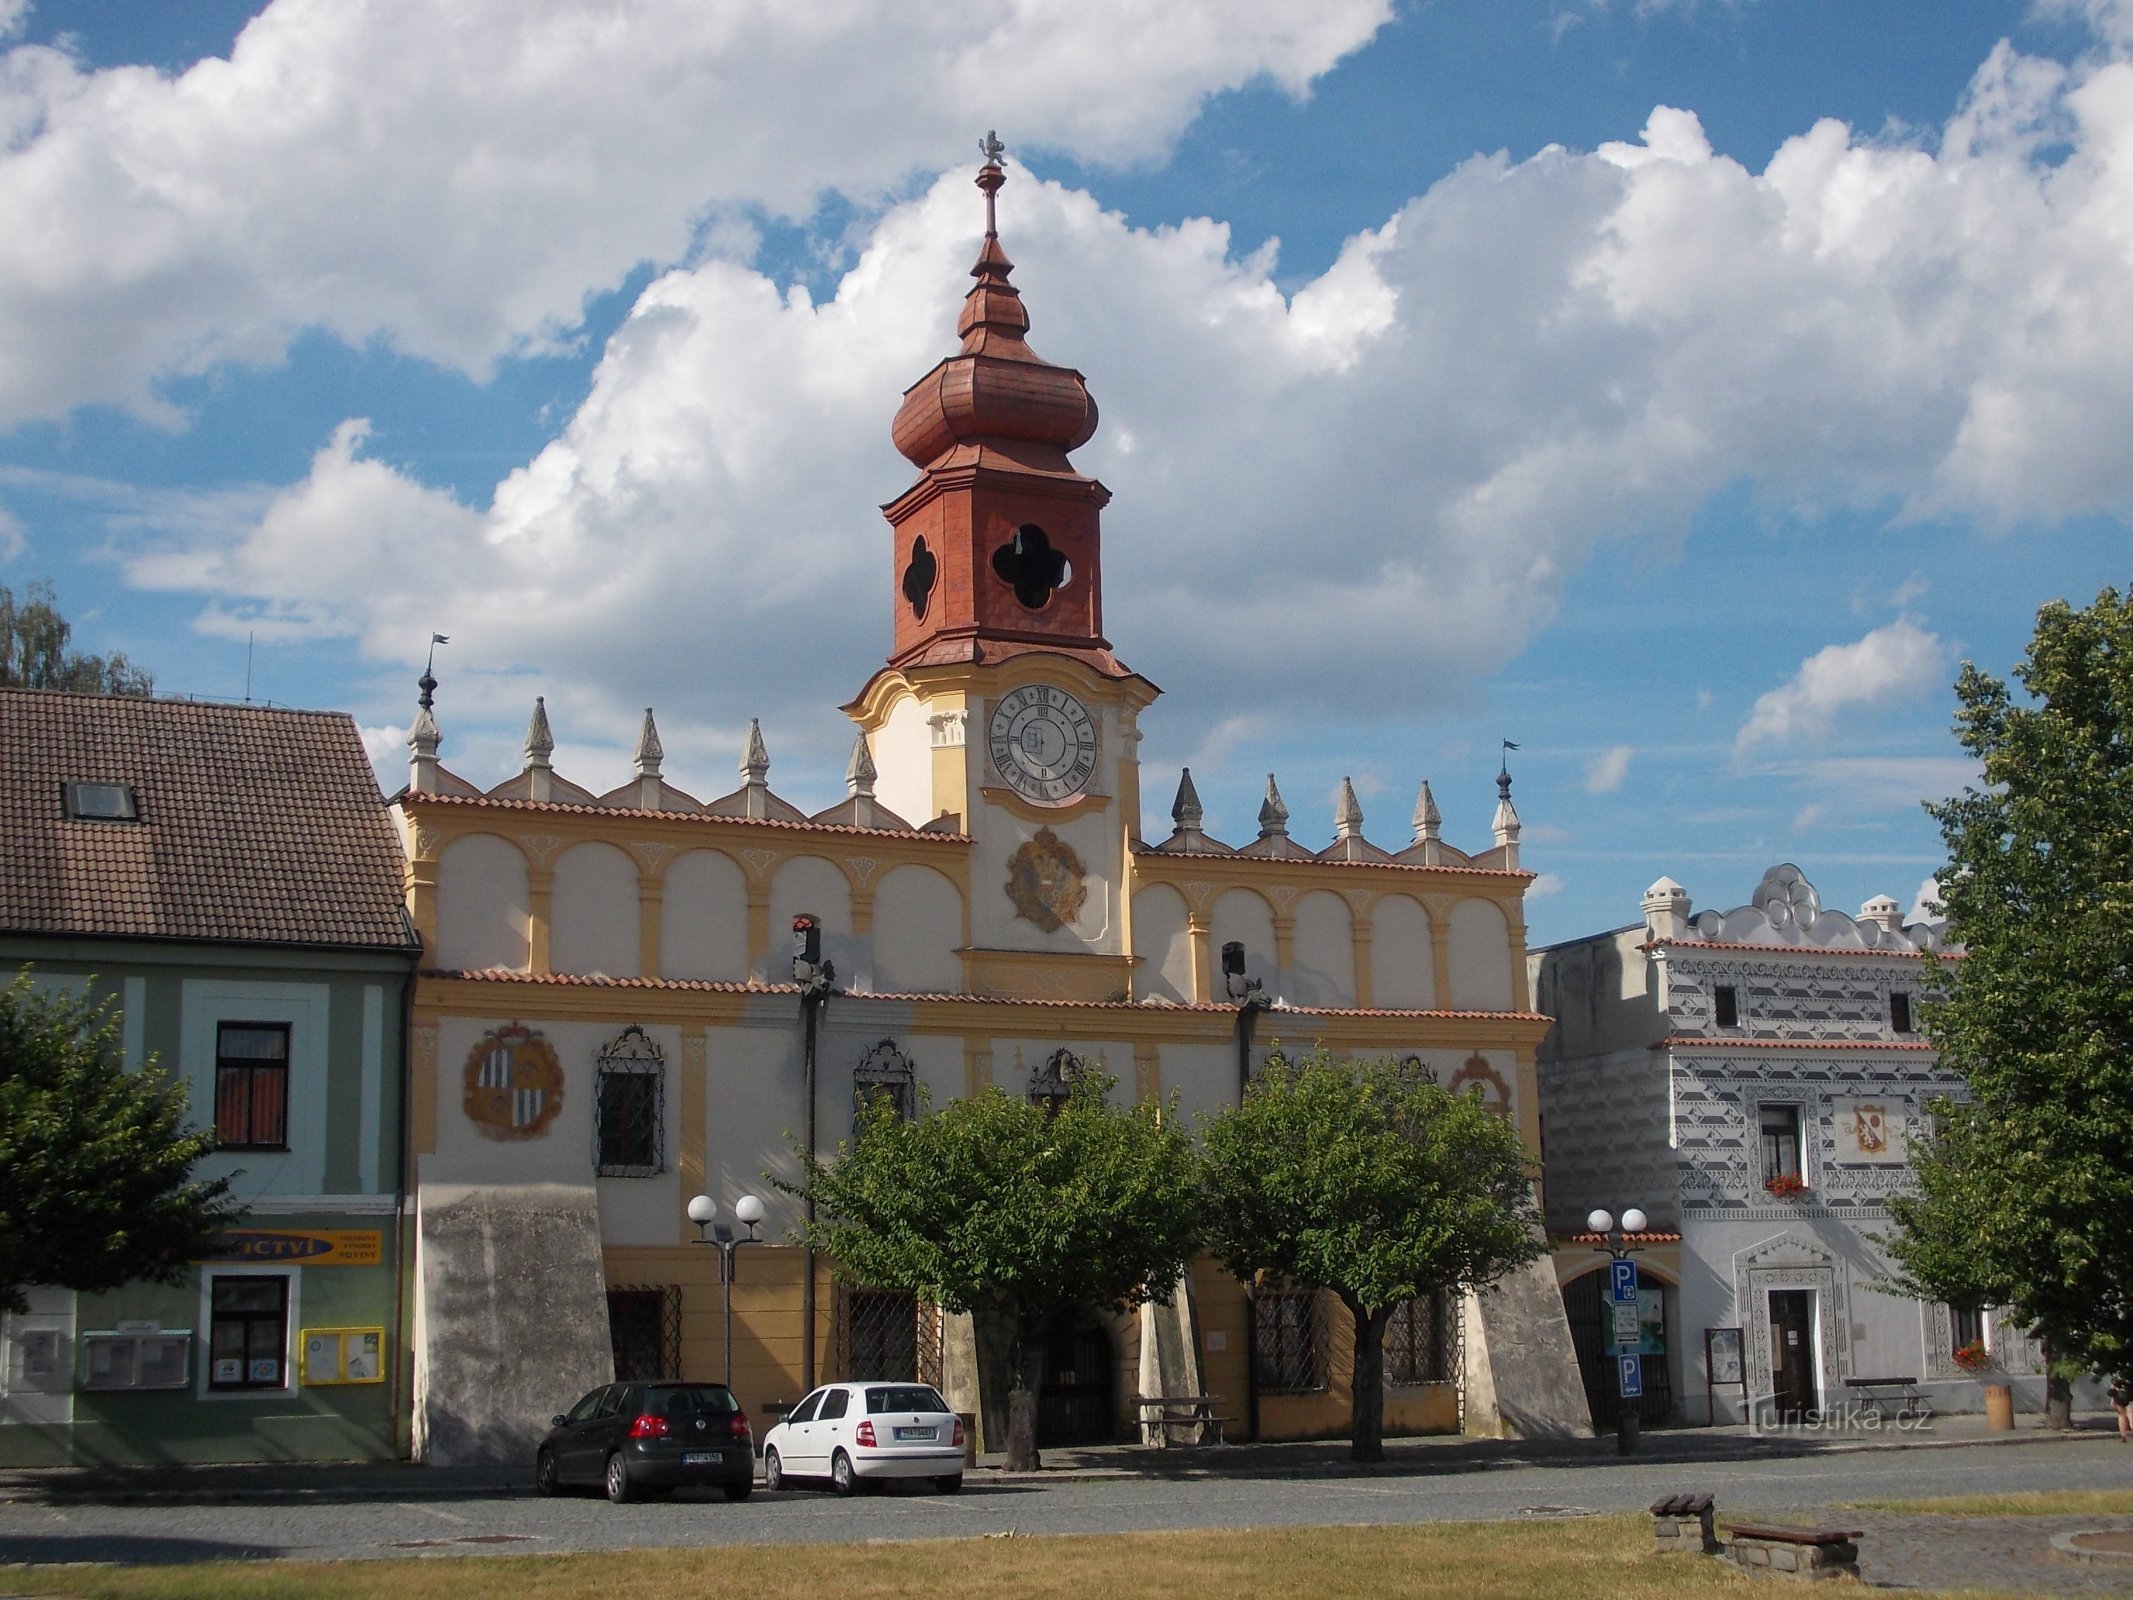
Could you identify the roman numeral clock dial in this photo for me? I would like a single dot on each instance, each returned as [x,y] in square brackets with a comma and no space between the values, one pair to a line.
[1043,743]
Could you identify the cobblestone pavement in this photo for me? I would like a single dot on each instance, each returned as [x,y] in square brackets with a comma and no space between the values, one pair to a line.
[1905,1550]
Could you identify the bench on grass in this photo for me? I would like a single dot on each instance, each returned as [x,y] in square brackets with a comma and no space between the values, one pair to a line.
[1794,1552]
[1163,1416]
[1681,1525]
[1881,1393]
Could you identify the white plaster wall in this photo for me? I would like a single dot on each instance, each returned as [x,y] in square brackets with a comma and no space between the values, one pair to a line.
[563,1151]
[1244,915]
[918,926]
[816,886]
[1095,838]
[1481,957]
[1323,950]
[257,1175]
[594,923]
[903,759]
[481,905]
[1203,1077]
[1403,973]
[1163,944]
[703,918]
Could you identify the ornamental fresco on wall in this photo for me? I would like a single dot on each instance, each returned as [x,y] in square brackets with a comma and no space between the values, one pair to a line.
[1045,881]
[514,1084]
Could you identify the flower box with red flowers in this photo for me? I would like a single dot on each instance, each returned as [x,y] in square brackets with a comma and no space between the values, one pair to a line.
[1786,1185]
[1973,1357]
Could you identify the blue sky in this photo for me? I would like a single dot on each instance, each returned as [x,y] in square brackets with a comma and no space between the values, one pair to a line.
[1681,390]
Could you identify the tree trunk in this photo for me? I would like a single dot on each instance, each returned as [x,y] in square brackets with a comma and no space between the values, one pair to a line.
[2058,1389]
[1022,1399]
[1367,1405]
[992,1324]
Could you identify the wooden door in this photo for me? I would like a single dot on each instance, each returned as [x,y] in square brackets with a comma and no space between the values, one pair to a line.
[1793,1386]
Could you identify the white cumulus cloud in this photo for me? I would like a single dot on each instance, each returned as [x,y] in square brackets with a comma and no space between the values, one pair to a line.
[1604,774]
[1889,664]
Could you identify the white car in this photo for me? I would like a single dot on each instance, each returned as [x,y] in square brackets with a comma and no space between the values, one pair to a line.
[854,1434]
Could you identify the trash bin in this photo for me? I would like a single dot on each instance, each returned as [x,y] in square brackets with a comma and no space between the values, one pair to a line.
[1999,1408]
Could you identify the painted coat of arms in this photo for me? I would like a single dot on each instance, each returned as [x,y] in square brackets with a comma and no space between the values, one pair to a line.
[514,1084]
[1044,881]
[1870,1128]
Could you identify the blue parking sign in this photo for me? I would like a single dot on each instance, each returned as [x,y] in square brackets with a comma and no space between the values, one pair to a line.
[1630,1369]
[1622,1282]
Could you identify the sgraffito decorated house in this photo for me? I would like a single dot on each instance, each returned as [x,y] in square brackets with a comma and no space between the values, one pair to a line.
[1752,1079]
[609,1020]
[227,878]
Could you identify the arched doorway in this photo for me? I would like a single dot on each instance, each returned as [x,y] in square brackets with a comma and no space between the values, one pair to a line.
[1078,1403]
[1592,1335]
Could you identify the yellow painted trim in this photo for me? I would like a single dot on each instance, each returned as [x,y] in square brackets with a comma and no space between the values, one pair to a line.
[1046,974]
[1082,805]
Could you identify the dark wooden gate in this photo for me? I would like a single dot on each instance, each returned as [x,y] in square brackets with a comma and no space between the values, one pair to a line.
[1078,1403]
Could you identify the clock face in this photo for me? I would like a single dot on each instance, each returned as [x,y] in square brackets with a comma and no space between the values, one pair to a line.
[1043,743]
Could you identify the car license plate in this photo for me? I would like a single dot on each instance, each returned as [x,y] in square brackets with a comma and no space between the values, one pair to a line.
[918,1433]
[700,1458]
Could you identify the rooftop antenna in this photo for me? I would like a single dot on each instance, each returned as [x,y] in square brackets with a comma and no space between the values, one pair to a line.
[248,636]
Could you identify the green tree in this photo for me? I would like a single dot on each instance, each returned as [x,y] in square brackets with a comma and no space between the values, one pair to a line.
[2026,1196]
[95,1161]
[1365,1179]
[34,654]
[1012,1211]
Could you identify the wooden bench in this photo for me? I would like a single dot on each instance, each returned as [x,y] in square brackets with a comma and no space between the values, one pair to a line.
[1161,1414]
[1681,1525]
[1880,1393]
[1795,1552]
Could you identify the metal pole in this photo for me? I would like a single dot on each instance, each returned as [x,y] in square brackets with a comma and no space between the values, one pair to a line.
[810,1004]
[725,1283]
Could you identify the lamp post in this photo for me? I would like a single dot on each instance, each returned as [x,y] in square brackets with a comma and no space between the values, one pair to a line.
[748,1212]
[815,975]
[1622,1290]
[1250,999]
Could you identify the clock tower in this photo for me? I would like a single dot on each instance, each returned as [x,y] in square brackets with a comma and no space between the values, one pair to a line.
[1002,706]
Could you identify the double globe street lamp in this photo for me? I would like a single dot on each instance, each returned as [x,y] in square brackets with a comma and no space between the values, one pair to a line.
[748,1212]
[1622,1295]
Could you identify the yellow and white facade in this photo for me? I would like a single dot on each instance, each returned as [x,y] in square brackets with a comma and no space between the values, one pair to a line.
[995,916]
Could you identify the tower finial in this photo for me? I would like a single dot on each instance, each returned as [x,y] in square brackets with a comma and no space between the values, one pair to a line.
[990,177]
[540,741]
[1273,815]
[1348,813]
[427,683]
[1185,812]
[1428,820]
[860,775]
[650,753]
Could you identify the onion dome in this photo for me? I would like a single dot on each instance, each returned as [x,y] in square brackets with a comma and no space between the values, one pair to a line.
[996,390]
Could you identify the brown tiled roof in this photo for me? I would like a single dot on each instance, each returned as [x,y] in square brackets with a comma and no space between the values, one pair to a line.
[256,825]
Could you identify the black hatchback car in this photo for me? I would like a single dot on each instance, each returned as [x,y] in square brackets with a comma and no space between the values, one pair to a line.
[642,1439]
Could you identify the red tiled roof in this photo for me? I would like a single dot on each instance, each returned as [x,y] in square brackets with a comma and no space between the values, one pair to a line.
[1691,946]
[1272,1019]
[485,802]
[1697,1041]
[256,825]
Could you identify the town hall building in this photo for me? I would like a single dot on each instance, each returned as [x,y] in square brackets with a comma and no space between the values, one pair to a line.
[611,1020]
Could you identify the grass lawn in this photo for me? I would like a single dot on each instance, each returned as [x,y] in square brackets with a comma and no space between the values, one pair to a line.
[1534,1561]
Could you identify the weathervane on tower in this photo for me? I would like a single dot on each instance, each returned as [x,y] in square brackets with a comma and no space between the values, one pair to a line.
[992,147]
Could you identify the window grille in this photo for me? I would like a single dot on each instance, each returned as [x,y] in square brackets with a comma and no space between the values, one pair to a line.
[644,1326]
[252,1085]
[884,1072]
[1418,1069]
[891,1336]
[1053,1084]
[629,1108]
[1422,1341]
[1290,1348]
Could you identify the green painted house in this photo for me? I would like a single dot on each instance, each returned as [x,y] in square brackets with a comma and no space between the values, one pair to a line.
[227,878]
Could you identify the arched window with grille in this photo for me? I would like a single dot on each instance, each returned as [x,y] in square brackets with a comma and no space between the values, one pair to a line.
[629,1107]
[884,1072]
